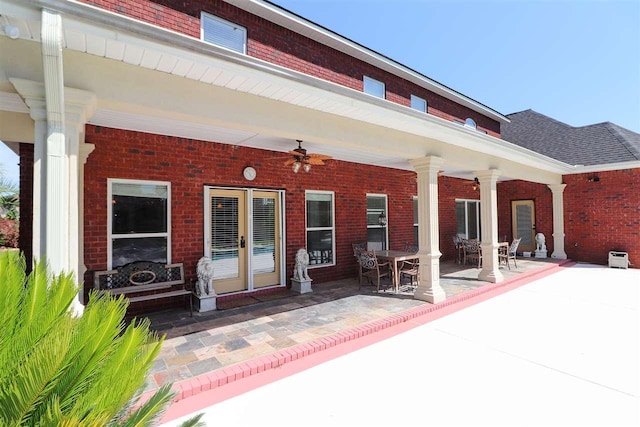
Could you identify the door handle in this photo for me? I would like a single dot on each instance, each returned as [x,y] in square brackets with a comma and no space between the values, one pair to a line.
[242,242]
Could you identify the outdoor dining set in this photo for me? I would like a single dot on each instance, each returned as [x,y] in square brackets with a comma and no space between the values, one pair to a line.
[394,265]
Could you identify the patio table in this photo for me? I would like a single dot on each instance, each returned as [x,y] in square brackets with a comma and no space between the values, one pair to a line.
[394,257]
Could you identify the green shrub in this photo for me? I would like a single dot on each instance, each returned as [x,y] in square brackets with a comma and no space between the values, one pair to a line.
[57,369]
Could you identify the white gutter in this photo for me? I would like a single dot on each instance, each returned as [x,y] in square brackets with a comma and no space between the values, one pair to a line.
[606,167]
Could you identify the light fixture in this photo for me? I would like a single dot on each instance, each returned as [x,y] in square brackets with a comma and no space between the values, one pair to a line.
[476,183]
[382,219]
[11,31]
[304,160]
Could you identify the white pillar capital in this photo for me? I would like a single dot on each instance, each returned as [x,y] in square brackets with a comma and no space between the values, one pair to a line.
[557,191]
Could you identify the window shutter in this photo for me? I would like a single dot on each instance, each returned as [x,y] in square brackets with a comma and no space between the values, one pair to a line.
[223,33]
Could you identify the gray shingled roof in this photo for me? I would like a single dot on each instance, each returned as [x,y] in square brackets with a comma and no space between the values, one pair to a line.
[596,144]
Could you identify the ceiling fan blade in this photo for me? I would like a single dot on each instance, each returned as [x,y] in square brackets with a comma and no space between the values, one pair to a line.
[315,161]
[290,162]
[320,156]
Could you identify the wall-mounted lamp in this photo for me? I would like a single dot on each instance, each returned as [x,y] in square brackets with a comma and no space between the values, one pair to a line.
[476,184]
[382,219]
[594,178]
[11,31]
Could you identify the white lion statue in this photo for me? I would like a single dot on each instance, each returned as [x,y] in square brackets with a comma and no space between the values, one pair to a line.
[205,277]
[302,263]
[540,240]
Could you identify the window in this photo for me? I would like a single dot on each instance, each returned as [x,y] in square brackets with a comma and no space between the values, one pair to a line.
[373,87]
[415,220]
[470,123]
[138,223]
[468,219]
[418,103]
[320,228]
[223,33]
[377,236]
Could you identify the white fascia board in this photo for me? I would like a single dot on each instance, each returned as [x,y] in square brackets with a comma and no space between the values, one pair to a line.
[607,167]
[275,14]
[383,112]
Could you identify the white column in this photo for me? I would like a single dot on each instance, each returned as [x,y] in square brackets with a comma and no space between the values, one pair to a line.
[489,223]
[557,191]
[85,150]
[428,229]
[57,251]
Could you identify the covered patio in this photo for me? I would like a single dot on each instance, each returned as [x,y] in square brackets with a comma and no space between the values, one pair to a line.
[224,343]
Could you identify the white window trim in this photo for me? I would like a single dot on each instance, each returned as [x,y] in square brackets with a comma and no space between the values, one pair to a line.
[421,100]
[466,216]
[111,236]
[373,81]
[386,212]
[332,228]
[224,21]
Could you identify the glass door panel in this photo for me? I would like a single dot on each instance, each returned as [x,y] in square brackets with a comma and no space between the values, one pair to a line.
[266,239]
[227,237]
[524,224]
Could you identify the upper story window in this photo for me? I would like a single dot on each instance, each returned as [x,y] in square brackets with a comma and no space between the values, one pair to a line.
[223,33]
[418,103]
[469,122]
[139,227]
[373,87]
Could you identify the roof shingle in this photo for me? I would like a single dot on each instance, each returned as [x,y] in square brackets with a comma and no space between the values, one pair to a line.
[595,144]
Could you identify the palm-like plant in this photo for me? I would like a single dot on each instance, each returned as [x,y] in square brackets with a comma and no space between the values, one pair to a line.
[9,196]
[58,369]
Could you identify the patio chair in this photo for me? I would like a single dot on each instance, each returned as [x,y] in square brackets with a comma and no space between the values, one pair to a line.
[457,243]
[372,269]
[357,248]
[411,267]
[472,252]
[510,253]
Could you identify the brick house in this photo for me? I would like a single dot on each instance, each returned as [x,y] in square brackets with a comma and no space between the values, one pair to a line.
[163,130]
[602,197]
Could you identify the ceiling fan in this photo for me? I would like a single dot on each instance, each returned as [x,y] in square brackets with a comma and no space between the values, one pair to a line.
[304,160]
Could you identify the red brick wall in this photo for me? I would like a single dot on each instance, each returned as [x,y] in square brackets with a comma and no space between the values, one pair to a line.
[509,191]
[191,164]
[25,242]
[602,216]
[281,46]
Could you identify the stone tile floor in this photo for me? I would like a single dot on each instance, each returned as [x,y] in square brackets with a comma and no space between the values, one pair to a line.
[210,341]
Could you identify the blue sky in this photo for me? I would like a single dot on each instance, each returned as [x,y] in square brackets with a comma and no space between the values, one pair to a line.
[575,61]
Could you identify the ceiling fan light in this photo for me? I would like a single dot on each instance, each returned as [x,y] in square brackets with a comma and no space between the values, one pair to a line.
[296,167]
[306,167]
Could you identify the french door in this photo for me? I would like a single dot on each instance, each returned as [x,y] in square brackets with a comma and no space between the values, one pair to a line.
[243,229]
[523,224]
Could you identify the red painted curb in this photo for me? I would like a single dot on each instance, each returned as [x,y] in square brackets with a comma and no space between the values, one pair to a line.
[207,389]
